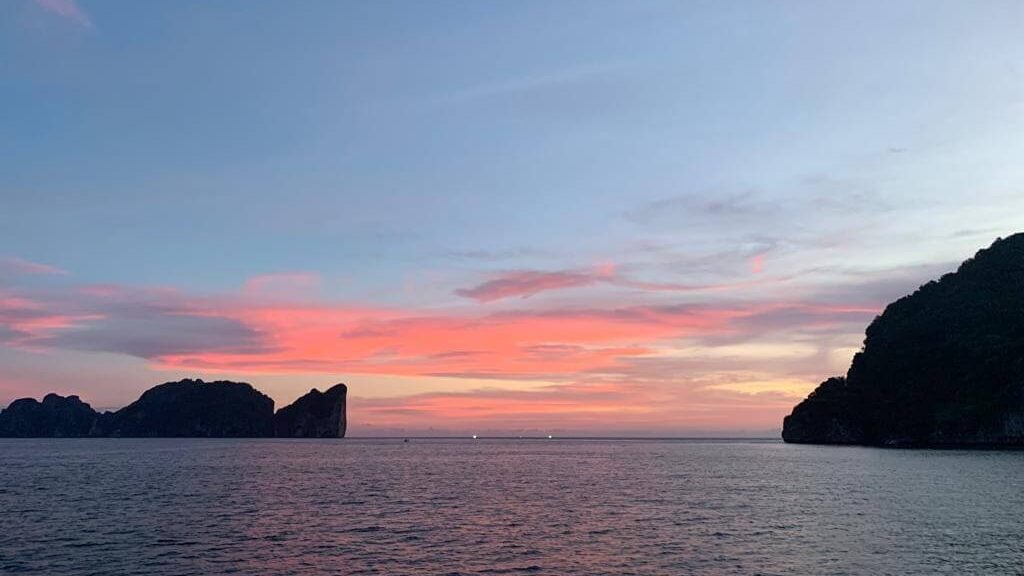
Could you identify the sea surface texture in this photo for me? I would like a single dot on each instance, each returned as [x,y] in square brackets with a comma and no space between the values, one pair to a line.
[559,507]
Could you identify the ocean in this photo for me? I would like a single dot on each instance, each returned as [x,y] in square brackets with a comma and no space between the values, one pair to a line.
[558,507]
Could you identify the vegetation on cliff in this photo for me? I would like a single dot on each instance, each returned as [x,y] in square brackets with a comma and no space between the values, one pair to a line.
[942,366]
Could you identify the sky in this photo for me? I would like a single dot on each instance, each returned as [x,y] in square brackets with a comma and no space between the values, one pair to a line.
[575,217]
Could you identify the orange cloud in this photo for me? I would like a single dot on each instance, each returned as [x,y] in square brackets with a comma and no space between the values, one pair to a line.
[249,334]
[671,367]
[553,344]
[529,343]
[612,408]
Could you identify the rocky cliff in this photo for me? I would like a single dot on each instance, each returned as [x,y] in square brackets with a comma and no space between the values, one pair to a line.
[189,408]
[943,366]
[193,408]
[315,415]
[56,417]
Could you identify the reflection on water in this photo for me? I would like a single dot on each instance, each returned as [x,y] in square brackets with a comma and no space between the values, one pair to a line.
[108,506]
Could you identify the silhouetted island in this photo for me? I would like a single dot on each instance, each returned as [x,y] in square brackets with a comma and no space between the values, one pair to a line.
[189,408]
[315,415]
[941,367]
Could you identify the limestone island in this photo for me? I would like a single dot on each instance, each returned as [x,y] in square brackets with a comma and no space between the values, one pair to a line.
[942,367]
[185,409]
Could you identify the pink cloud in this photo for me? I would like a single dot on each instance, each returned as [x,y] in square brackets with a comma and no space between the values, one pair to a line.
[611,363]
[509,345]
[549,345]
[526,283]
[253,333]
[67,9]
[25,322]
[757,263]
[686,406]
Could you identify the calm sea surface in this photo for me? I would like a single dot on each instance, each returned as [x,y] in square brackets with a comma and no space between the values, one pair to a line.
[560,507]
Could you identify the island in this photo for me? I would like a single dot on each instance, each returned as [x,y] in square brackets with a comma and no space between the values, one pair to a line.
[315,415]
[942,367]
[184,409]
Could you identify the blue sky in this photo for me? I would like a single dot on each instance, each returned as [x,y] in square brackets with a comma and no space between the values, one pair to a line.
[398,158]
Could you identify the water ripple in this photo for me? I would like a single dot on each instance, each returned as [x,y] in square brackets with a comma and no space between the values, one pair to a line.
[163,507]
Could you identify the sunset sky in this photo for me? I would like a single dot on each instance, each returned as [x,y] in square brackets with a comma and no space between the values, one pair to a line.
[597,218]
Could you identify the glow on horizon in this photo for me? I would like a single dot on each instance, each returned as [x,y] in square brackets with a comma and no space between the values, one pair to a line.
[650,365]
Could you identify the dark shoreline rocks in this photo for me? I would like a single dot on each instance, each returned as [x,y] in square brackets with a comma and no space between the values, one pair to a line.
[831,414]
[184,409]
[315,415]
[194,409]
[942,367]
[56,416]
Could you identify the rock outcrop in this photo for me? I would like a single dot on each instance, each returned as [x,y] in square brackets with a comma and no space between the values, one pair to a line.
[189,408]
[315,415]
[832,414]
[941,367]
[193,408]
[55,417]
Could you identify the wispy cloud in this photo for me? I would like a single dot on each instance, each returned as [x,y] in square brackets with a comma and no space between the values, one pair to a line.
[527,283]
[731,206]
[68,9]
[20,266]
[25,322]
[532,82]
[494,255]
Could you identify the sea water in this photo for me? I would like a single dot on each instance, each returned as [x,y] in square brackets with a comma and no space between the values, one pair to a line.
[560,507]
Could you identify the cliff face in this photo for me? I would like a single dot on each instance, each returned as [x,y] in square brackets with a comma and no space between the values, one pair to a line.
[193,408]
[832,414]
[315,415]
[943,366]
[56,417]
